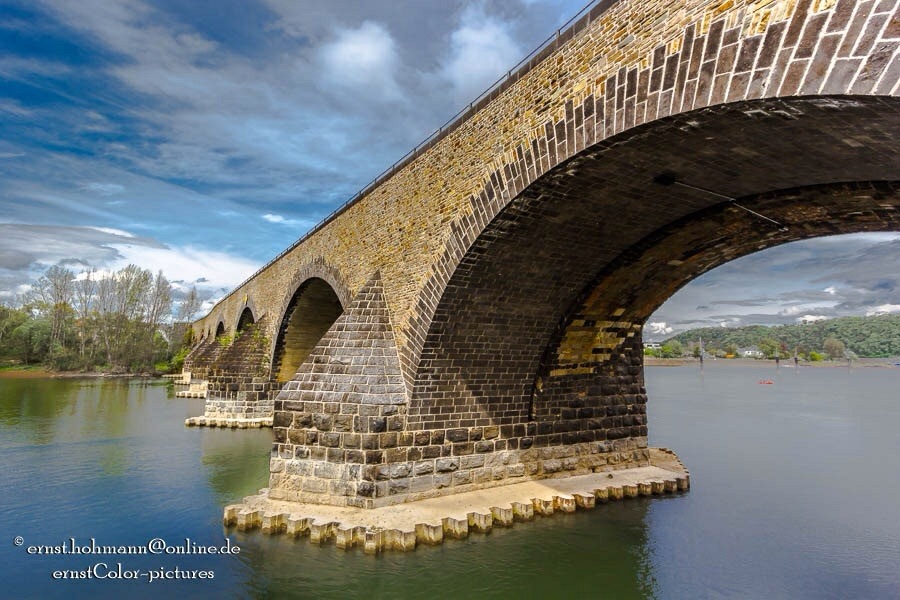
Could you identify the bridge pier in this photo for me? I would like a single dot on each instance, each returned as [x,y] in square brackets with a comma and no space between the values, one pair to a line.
[343,434]
[238,388]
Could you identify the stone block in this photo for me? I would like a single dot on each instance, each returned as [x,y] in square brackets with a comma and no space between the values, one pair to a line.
[551,466]
[446,465]
[462,477]
[424,467]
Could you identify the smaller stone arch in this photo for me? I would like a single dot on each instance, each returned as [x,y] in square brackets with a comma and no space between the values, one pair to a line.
[246,319]
[317,268]
[220,329]
[311,310]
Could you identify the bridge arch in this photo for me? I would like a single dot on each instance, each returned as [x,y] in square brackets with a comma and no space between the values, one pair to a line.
[542,311]
[245,320]
[220,329]
[316,300]
[762,56]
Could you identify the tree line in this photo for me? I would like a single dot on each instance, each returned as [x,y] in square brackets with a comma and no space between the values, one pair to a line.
[869,337]
[119,322]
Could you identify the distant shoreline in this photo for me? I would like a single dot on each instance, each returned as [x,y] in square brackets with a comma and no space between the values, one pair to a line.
[788,363]
[44,373]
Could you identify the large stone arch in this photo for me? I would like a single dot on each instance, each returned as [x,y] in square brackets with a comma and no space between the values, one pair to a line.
[316,299]
[732,55]
[510,310]
[597,344]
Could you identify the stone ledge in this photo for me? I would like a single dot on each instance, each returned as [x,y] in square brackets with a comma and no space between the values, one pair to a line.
[404,526]
[233,423]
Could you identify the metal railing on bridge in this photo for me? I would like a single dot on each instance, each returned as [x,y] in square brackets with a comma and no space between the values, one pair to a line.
[579,21]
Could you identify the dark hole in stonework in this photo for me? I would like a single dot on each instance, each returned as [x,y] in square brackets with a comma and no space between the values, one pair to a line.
[665,178]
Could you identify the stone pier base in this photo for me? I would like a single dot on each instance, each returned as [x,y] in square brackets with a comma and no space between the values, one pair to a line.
[240,409]
[232,422]
[404,526]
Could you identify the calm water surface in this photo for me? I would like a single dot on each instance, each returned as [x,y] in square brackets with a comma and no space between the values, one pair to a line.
[795,491]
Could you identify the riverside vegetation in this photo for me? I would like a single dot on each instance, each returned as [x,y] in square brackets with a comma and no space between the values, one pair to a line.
[835,339]
[119,322]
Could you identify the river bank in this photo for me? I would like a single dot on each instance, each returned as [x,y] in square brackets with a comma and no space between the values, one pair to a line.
[40,372]
[783,363]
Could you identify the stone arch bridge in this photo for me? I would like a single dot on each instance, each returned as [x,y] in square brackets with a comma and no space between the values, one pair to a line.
[474,318]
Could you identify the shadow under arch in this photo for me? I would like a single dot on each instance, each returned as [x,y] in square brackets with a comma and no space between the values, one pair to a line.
[220,330]
[541,318]
[310,312]
[246,319]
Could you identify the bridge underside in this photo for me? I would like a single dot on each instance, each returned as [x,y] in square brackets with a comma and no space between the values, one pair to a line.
[532,364]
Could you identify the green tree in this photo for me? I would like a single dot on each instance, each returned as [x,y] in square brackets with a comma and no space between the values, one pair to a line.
[672,349]
[10,319]
[834,348]
[30,341]
[122,320]
[54,291]
[769,347]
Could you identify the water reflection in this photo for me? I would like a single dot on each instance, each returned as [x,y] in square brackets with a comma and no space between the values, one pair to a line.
[602,554]
[236,462]
[30,407]
[792,496]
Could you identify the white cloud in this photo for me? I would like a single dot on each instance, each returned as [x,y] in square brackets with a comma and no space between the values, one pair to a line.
[14,108]
[207,269]
[884,309]
[812,318]
[363,60]
[19,289]
[830,290]
[280,220]
[104,189]
[658,328]
[106,250]
[482,49]
[113,231]
[14,67]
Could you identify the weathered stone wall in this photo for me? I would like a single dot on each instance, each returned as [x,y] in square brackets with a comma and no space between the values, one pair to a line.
[619,67]
[496,285]
[201,358]
[238,380]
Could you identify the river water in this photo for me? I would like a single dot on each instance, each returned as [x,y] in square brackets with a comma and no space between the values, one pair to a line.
[795,490]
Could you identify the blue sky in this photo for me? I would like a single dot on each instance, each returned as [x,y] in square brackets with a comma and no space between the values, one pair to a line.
[204,137]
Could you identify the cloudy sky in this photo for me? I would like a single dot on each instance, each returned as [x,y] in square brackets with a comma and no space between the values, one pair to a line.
[204,137]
